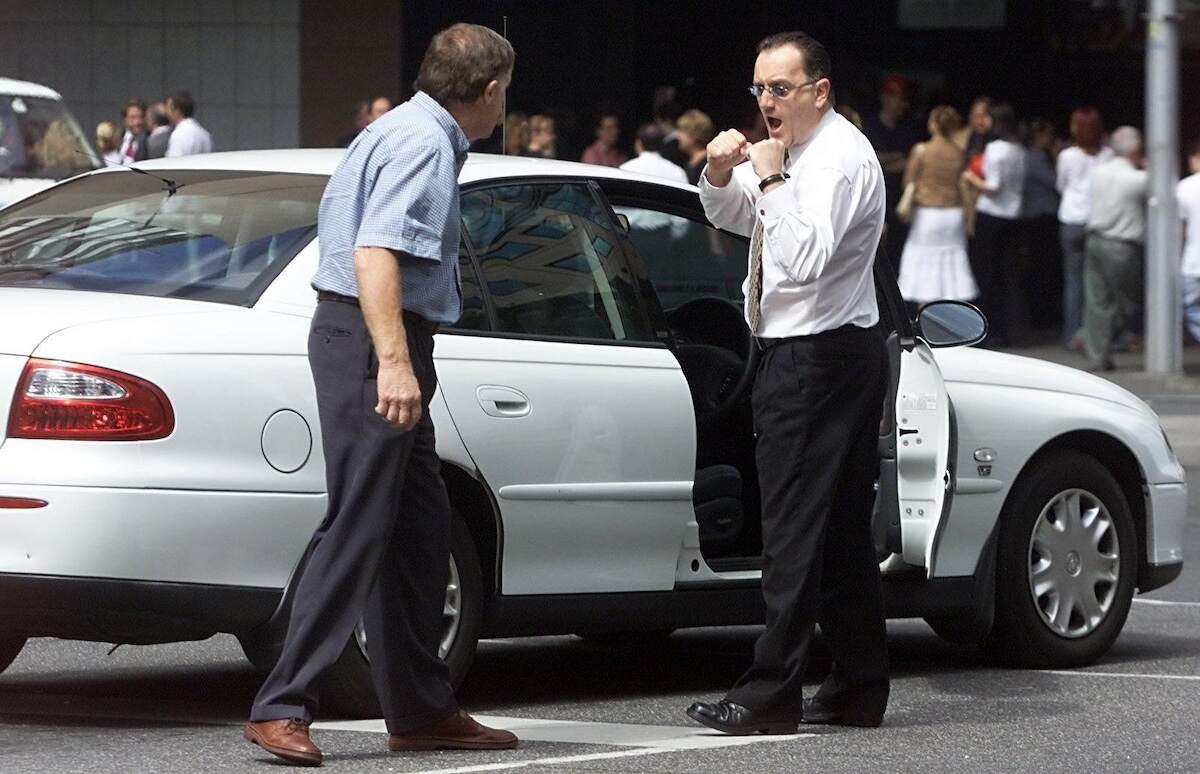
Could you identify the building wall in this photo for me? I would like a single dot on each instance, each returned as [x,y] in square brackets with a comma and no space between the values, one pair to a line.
[240,59]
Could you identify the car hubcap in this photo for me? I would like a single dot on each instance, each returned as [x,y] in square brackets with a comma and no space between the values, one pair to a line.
[1074,563]
[451,616]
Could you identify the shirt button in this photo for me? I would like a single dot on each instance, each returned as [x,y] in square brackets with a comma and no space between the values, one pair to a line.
[762,212]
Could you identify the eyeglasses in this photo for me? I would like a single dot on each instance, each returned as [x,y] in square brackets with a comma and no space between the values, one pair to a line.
[778,90]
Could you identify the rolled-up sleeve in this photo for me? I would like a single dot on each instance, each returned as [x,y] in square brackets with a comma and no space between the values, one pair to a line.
[805,223]
[727,207]
[409,203]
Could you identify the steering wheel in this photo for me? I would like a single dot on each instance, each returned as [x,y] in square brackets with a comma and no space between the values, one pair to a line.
[717,353]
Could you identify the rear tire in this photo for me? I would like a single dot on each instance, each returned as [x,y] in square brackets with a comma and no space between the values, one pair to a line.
[10,648]
[1067,565]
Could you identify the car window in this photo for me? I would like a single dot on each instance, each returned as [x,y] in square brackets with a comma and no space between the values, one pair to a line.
[40,138]
[209,235]
[551,263]
[686,259]
[474,310]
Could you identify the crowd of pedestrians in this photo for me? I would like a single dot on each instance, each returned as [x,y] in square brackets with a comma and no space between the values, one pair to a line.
[162,129]
[991,208]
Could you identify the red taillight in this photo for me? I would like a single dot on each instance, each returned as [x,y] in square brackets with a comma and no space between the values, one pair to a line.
[21,503]
[69,401]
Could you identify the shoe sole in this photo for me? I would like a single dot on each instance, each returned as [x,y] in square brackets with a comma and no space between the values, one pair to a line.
[772,727]
[291,756]
[429,743]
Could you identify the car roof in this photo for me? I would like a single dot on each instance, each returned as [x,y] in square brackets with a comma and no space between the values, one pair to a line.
[322,161]
[14,88]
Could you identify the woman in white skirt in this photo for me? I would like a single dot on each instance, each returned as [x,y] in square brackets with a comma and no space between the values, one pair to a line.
[934,264]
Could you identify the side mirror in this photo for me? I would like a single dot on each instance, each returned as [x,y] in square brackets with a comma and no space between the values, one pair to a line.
[951,324]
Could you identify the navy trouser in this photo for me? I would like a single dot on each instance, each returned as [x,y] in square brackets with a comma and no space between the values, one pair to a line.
[382,552]
[817,404]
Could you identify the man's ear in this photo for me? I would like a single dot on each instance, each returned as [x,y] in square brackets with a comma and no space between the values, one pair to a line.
[824,91]
[491,90]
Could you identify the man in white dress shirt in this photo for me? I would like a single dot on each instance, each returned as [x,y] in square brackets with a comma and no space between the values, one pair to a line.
[187,135]
[133,142]
[811,199]
[648,161]
[1115,252]
[1188,194]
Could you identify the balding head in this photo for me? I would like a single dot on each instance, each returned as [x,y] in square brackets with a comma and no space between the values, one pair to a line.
[461,61]
[1126,142]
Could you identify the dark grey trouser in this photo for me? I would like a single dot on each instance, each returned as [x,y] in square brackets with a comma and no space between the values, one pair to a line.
[817,405]
[1112,282]
[383,551]
[1073,238]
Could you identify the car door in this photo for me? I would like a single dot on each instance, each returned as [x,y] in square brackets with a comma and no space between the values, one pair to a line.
[574,412]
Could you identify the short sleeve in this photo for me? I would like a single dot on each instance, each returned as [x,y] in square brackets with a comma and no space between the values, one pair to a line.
[409,203]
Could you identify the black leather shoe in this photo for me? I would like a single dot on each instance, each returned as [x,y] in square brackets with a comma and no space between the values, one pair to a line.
[817,712]
[730,718]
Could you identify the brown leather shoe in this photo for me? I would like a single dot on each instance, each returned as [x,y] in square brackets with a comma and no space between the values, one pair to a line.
[287,738]
[457,732]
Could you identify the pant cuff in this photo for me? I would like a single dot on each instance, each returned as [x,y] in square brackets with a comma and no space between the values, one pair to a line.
[279,712]
[403,724]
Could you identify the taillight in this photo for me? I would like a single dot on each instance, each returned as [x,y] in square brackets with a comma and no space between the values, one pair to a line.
[70,401]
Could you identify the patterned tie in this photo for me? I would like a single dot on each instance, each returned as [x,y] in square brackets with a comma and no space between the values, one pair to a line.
[754,301]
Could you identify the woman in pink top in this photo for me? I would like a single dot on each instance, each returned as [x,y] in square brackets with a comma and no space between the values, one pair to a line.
[604,150]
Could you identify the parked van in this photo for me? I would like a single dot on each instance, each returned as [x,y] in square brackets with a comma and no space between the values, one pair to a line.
[40,141]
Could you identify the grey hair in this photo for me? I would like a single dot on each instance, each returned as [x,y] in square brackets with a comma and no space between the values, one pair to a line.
[1126,141]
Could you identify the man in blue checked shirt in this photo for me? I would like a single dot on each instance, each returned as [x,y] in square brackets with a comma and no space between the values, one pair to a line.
[387,277]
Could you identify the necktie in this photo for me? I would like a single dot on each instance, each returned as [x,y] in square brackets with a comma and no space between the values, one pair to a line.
[129,147]
[754,300]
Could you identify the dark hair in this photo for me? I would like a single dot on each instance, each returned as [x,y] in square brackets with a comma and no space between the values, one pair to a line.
[650,136]
[133,103]
[1194,148]
[157,118]
[668,110]
[1004,121]
[184,103]
[816,58]
[461,61]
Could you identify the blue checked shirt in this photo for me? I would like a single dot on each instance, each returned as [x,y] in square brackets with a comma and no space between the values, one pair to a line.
[397,187]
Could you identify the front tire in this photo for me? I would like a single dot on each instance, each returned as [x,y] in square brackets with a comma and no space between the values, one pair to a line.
[1067,565]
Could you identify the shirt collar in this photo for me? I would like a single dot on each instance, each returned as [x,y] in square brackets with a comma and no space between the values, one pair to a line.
[444,120]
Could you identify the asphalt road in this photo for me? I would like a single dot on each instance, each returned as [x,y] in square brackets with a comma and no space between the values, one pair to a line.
[72,707]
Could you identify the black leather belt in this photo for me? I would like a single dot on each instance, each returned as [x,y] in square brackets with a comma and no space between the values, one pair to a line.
[848,332]
[411,319]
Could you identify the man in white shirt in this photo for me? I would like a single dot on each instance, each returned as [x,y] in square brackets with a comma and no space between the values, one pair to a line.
[1112,275]
[648,161]
[1188,194]
[811,199]
[187,135]
[1073,173]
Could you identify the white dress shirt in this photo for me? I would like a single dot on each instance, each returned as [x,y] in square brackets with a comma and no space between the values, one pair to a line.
[820,231]
[651,163]
[1074,173]
[189,137]
[1003,178]
[1118,209]
[126,141]
[1188,194]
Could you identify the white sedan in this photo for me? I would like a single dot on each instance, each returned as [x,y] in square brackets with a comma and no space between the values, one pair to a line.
[160,463]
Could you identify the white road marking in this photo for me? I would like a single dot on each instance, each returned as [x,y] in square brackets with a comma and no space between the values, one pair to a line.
[632,753]
[1142,675]
[662,738]
[1166,603]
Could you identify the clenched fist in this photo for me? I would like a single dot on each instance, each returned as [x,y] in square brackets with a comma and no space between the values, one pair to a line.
[766,157]
[727,150]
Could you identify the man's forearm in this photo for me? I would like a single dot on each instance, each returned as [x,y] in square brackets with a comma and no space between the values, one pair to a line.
[378,274]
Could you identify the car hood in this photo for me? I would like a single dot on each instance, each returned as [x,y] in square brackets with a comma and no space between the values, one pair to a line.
[29,315]
[981,366]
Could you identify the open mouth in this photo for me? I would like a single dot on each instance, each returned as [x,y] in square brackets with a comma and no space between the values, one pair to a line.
[773,123]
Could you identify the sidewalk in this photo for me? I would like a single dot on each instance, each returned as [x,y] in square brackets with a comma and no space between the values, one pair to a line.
[1130,372]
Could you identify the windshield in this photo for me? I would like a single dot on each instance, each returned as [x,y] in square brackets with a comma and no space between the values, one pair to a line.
[40,138]
[222,236]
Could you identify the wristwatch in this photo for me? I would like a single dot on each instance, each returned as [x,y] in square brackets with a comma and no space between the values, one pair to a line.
[778,177]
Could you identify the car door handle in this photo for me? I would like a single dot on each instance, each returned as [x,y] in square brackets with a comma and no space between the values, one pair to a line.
[499,401]
[908,430]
